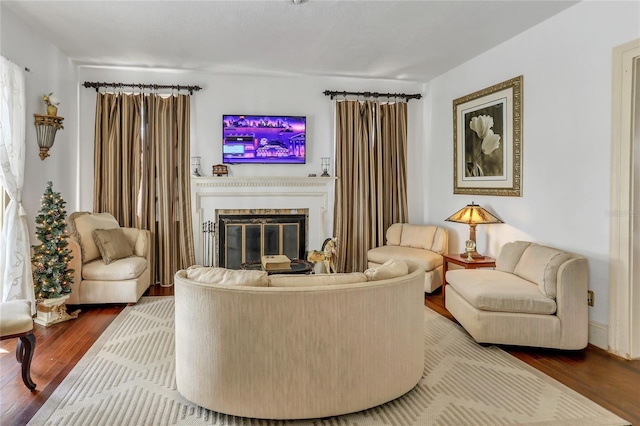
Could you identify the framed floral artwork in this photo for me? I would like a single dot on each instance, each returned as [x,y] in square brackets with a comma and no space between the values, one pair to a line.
[487,141]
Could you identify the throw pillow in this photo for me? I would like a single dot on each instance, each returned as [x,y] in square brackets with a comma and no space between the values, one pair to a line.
[223,276]
[390,269]
[112,244]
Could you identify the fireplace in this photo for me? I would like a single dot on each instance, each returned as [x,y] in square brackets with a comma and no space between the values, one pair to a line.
[247,235]
[212,196]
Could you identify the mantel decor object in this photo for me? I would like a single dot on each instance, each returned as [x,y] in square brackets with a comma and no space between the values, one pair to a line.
[220,170]
[473,215]
[324,163]
[195,166]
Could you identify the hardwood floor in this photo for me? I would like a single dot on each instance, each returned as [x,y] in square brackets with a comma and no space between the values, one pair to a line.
[605,379]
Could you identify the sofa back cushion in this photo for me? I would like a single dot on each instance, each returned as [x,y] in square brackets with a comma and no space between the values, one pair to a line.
[223,276]
[83,224]
[297,280]
[417,236]
[426,237]
[394,232]
[510,255]
[392,268]
[540,264]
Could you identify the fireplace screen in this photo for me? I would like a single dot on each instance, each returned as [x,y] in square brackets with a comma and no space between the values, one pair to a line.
[246,238]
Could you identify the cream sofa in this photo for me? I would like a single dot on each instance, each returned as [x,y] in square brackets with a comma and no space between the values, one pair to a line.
[536,296]
[125,277]
[422,244]
[297,346]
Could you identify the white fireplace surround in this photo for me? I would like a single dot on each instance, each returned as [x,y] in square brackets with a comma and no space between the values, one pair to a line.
[316,194]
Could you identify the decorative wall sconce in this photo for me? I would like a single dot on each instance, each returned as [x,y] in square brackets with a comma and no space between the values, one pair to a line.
[46,128]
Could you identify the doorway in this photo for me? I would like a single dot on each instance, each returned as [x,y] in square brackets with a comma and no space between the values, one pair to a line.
[624,252]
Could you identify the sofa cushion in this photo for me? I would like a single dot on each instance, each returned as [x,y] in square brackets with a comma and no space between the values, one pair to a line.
[510,254]
[427,259]
[539,264]
[498,291]
[112,244]
[83,224]
[16,317]
[394,232]
[301,280]
[417,236]
[118,270]
[392,268]
[223,276]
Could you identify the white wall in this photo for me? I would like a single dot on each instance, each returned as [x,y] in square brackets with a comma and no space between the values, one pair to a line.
[566,63]
[51,71]
[245,94]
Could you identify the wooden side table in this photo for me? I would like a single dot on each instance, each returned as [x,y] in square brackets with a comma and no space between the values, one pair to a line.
[460,260]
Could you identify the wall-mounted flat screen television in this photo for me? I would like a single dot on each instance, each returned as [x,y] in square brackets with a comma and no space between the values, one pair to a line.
[275,139]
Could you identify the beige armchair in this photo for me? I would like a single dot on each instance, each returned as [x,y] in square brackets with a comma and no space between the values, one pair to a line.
[112,264]
[422,244]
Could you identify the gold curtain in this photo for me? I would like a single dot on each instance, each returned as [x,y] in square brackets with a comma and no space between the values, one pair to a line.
[170,132]
[141,163]
[371,191]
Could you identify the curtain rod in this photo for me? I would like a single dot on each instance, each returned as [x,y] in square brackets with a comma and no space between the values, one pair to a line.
[408,97]
[97,86]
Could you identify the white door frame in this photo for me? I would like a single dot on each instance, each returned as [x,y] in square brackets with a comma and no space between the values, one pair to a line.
[624,293]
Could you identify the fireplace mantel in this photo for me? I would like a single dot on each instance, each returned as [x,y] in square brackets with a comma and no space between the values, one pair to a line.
[252,181]
[211,193]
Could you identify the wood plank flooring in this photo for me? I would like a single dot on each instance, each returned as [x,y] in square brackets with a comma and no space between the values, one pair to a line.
[612,382]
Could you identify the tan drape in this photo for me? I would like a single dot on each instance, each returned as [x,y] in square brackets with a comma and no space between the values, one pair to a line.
[141,162]
[371,192]
[170,134]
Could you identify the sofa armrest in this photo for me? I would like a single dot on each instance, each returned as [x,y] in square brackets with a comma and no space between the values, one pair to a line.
[571,300]
[139,239]
[75,263]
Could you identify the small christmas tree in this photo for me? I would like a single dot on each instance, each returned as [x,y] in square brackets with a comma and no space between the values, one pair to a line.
[52,277]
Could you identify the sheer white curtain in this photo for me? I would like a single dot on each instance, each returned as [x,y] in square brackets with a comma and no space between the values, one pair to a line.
[15,259]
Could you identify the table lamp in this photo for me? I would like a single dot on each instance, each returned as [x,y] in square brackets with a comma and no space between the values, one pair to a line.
[473,215]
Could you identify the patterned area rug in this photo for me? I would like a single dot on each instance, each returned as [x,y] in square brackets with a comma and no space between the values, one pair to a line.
[127,378]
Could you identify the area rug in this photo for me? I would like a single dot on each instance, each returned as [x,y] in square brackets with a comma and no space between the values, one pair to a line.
[128,378]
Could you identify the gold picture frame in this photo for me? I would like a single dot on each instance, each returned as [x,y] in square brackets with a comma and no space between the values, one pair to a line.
[487,141]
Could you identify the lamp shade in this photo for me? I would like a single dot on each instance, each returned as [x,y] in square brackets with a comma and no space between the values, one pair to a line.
[473,214]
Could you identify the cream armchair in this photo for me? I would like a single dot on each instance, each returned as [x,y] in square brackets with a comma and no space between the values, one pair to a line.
[112,264]
[422,244]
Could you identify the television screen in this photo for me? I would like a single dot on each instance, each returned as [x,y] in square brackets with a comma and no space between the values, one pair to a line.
[263,139]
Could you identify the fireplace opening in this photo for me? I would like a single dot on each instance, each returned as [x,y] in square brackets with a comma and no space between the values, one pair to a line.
[246,237]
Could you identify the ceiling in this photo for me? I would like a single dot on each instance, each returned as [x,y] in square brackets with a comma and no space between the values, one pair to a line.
[392,39]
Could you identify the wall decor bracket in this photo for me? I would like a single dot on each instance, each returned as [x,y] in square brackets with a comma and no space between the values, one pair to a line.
[46,128]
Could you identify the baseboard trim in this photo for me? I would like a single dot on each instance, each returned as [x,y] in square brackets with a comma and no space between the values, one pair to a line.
[599,335]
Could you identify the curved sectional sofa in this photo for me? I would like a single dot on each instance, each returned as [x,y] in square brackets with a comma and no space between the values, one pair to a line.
[297,346]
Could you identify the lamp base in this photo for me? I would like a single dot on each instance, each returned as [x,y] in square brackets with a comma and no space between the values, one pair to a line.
[474,254]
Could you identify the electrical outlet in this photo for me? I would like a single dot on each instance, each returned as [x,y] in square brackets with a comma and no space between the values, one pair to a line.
[590,297]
